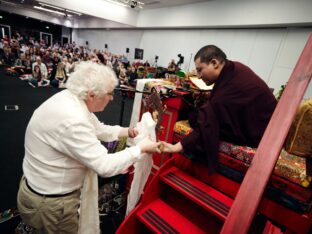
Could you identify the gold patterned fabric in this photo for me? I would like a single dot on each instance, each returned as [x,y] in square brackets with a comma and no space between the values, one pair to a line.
[288,166]
[293,168]
[159,86]
[299,138]
[182,127]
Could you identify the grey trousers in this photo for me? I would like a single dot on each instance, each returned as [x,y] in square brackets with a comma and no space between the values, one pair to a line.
[48,215]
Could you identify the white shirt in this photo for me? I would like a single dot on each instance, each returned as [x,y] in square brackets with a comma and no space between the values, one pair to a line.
[63,139]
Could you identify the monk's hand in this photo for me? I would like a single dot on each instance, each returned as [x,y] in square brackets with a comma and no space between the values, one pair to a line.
[165,147]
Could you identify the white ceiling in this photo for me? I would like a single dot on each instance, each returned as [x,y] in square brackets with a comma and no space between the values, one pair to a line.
[148,4]
[166,3]
[24,5]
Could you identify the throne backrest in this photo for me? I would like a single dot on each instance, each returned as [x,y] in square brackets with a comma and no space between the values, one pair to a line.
[299,138]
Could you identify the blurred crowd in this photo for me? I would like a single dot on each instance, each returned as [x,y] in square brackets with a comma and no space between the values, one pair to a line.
[42,65]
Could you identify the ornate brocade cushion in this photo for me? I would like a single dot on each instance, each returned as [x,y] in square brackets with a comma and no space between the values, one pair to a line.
[159,86]
[292,167]
[242,153]
[289,166]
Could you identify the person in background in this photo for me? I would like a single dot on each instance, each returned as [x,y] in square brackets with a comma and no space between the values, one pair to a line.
[56,59]
[146,64]
[28,64]
[69,65]
[19,65]
[43,68]
[101,57]
[46,58]
[37,80]
[238,109]
[132,76]
[123,79]
[32,54]
[7,57]
[58,81]
[172,67]
[63,141]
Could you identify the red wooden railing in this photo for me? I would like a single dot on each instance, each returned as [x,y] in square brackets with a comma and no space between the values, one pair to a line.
[251,191]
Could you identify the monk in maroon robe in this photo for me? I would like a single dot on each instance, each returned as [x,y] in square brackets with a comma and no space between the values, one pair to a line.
[238,110]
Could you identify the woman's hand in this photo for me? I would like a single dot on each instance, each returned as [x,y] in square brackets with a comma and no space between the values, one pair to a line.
[148,146]
[132,132]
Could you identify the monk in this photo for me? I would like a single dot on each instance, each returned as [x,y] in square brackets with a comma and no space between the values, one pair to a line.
[238,110]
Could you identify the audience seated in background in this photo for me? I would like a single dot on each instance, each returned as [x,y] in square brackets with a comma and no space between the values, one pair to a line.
[30,53]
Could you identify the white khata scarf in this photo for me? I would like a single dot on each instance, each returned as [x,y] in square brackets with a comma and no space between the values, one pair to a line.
[89,222]
[142,168]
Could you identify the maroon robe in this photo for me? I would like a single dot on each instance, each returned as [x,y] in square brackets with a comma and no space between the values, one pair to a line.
[238,111]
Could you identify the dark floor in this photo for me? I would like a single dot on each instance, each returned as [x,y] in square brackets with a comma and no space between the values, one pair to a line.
[14,91]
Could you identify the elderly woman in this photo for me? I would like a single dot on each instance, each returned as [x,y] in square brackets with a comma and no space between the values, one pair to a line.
[63,142]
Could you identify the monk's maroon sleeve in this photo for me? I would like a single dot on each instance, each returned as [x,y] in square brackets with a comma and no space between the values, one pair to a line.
[203,142]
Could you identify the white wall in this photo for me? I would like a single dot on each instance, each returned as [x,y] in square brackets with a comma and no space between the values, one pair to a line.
[92,22]
[117,40]
[271,53]
[66,33]
[230,13]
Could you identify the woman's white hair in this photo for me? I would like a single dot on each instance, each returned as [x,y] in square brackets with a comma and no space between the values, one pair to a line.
[90,76]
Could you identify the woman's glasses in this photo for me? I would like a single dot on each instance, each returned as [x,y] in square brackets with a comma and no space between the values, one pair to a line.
[110,93]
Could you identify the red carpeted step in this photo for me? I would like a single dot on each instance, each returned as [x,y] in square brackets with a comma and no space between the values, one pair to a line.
[160,218]
[207,197]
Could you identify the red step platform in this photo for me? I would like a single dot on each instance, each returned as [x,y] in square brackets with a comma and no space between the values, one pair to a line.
[205,196]
[160,218]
